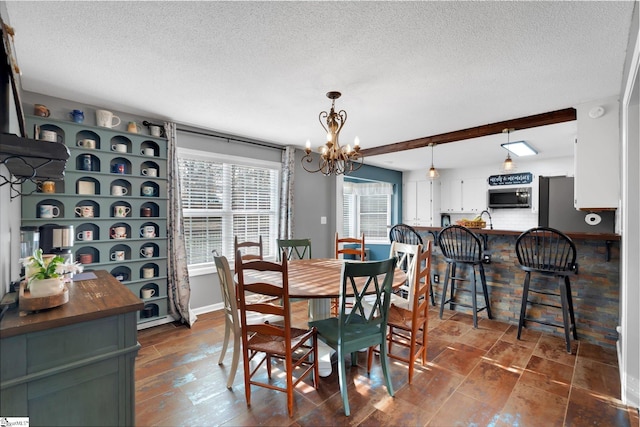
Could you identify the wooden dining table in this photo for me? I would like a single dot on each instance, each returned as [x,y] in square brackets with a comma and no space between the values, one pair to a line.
[318,280]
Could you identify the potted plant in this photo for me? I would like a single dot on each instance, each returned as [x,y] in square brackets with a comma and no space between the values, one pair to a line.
[45,273]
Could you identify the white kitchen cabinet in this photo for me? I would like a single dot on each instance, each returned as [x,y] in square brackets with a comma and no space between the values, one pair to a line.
[596,181]
[463,195]
[419,203]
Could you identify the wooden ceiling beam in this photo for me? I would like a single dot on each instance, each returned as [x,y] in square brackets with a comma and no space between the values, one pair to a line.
[553,117]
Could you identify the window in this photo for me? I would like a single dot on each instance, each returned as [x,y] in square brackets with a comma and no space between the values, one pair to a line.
[223,197]
[367,209]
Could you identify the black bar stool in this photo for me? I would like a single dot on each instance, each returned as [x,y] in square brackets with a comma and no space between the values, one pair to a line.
[459,245]
[553,254]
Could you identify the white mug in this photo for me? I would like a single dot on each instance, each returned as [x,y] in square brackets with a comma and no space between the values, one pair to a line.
[120,148]
[148,293]
[117,256]
[119,190]
[147,252]
[148,191]
[121,211]
[148,272]
[148,231]
[85,235]
[86,143]
[150,172]
[147,152]
[48,135]
[155,130]
[49,211]
[119,232]
[105,119]
[84,211]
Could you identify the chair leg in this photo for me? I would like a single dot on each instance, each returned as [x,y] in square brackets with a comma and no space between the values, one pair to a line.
[444,289]
[247,374]
[412,355]
[385,369]
[567,284]
[342,379]
[565,316]
[235,360]
[483,279]
[432,294]
[225,343]
[474,297]
[525,297]
[452,290]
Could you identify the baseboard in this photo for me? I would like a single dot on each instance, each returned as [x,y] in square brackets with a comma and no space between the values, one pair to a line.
[208,308]
[630,385]
[158,322]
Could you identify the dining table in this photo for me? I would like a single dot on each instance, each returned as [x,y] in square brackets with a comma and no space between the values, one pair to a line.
[318,280]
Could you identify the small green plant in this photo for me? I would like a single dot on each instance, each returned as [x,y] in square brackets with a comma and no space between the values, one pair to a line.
[39,267]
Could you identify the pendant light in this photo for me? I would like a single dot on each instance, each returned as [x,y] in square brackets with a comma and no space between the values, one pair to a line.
[508,165]
[433,172]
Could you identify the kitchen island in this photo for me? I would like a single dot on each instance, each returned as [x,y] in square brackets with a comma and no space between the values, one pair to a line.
[595,288]
[72,364]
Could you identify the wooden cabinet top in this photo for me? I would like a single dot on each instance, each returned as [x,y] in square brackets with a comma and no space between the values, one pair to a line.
[89,299]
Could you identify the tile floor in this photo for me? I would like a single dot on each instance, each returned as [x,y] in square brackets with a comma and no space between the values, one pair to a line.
[473,377]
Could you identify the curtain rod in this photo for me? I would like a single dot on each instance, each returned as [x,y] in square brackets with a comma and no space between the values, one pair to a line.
[229,139]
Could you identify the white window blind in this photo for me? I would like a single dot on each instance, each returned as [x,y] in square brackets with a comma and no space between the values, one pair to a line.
[222,199]
[367,209]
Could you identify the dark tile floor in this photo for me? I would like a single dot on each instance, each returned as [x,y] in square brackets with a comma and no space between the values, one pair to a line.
[479,377]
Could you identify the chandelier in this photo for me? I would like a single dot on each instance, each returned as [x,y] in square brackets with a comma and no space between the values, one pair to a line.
[334,159]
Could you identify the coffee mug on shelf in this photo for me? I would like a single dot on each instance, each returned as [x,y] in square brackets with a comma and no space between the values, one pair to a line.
[150,172]
[47,187]
[147,252]
[148,152]
[85,235]
[147,212]
[49,211]
[86,162]
[105,119]
[41,110]
[148,272]
[121,211]
[118,168]
[155,130]
[119,190]
[85,258]
[78,116]
[120,148]
[118,232]
[121,276]
[146,312]
[117,256]
[84,211]
[50,136]
[86,143]
[148,191]
[148,293]
[133,127]
[148,231]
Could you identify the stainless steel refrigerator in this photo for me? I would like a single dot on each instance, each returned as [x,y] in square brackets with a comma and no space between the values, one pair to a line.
[556,209]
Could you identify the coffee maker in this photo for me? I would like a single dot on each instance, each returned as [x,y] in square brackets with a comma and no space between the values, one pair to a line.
[57,240]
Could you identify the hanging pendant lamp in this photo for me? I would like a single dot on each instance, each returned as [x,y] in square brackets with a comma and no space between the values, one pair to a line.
[433,172]
[508,165]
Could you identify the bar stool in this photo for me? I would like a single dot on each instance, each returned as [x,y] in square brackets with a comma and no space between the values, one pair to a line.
[459,245]
[551,253]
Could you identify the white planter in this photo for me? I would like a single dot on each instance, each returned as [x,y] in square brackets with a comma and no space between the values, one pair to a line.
[46,287]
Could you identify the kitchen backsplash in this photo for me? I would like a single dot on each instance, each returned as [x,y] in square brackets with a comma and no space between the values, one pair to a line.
[506,219]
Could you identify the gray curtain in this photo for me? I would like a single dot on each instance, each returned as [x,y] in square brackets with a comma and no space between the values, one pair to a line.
[285,224]
[179,288]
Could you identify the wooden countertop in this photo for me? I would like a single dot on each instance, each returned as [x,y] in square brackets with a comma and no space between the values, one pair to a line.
[576,236]
[88,300]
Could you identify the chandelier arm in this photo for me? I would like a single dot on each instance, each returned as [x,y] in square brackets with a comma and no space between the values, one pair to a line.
[321,116]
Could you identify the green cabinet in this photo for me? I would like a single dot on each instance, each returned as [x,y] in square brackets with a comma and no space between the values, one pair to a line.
[115,193]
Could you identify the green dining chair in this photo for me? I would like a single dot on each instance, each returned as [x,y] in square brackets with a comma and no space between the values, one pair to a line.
[359,328]
[296,248]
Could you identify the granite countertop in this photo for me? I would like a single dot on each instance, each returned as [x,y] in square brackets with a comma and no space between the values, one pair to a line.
[487,231]
[90,299]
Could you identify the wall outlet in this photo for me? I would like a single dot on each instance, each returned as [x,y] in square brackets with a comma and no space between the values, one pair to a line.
[436,278]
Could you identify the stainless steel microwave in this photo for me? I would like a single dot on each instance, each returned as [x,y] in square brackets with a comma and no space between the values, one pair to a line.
[510,198]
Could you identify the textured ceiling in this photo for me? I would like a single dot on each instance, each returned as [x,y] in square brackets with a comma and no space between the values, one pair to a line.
[261,69]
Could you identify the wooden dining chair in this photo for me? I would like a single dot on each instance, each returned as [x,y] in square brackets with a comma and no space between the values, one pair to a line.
[407,326]
[231,318]
[351,246]
[262,341]
[354,330]
[296,248]
[250,250]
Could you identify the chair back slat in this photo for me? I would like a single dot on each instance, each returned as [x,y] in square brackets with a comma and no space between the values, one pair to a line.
[249,250]
[546,250]
[295,248]
[421,282]
[227,287]
[458,243]
[357,251]
[406,256]
[404,233]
